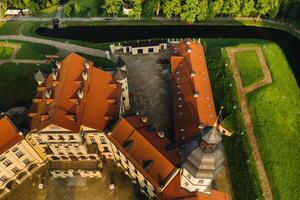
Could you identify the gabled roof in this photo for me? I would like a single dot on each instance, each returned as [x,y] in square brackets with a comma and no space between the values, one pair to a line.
[193,103]
[9,134]
[174,192]
[145,146]
[73,100]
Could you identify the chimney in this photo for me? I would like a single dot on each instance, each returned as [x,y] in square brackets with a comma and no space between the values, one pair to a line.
[86,64]
[196,94]
[189,50]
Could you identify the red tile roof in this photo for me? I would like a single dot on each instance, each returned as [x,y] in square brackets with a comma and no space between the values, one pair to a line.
[190,77]
[147,146]
[9,134]
[174,192]
[98,107]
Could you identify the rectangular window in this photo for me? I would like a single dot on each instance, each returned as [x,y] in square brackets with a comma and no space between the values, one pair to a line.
[15,149]
[71,137]
[50,137]
[7,162]
[3,178]
[39,141]
[92,139]
[102,140]
[106,149]
[61,137]
[19,154]
[15,170]
[200,181]
[2,158]
[26,161]
[189,176]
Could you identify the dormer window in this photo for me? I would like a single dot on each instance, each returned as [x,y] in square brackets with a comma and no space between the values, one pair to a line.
[193,74]
[86,64]
[80,93]
[54,74]
[48,93]
[84,74]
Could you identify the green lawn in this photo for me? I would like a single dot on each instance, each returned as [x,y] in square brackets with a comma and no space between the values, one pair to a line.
[249,67]
[6,52]
[102,63]
[275,111]
[17,84]
[48,12]
[242,170]
[35,51]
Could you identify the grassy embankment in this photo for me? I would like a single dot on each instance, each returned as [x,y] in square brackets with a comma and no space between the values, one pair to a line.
[249,67]
[6,52]
[47,12]
[275,113]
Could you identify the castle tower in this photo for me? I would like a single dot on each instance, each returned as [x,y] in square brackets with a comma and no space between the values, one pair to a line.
[202,159]
[121,76]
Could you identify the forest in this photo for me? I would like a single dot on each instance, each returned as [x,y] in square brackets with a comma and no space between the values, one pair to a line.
[188,10]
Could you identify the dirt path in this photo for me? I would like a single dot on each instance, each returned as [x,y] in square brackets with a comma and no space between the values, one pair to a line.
[23,61]
[267,192]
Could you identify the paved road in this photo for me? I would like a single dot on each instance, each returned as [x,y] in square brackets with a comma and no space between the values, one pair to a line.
[59,45]
[265,185]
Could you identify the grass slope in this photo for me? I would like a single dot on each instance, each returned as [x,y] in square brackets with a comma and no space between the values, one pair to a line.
[241,165]
[17,84]
[47,12]
[249,67]
[34,51]
[275,111]
[6,52]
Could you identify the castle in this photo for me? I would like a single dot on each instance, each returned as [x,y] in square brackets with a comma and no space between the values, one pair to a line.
[78,118]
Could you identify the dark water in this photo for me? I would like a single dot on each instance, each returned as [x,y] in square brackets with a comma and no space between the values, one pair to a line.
[289,44]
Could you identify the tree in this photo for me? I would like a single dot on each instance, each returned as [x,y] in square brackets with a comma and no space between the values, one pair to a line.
[262,7]
[113,6]
[274,9]
[215,8]
[171,7]
[136,9]
[189,11]
[150,8]
[67,10]
[231,7]
[202,10]
[247,7]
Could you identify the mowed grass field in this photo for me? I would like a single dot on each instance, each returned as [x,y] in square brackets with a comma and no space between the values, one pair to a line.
[6,52]
[249,67]
[275,113]
[17,85]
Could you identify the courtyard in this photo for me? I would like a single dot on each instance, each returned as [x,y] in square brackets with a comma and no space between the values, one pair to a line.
[78,188]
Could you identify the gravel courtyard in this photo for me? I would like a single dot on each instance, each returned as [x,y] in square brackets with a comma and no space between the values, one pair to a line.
[149,90]
[87,189]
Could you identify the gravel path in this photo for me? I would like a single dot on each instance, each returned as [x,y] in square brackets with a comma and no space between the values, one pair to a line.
[265,185]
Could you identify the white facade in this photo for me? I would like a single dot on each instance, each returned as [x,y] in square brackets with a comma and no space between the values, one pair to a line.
[16,164]
[193,184]
[125,93]
[59,145]
[138,178]
[144,49]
